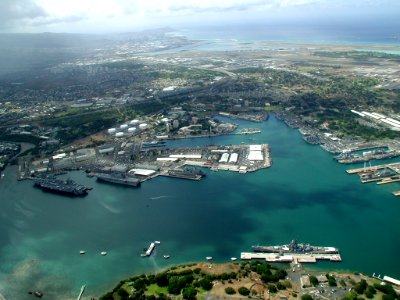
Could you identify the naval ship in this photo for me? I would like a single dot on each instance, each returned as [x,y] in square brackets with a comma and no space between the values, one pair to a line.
[295,247]
[118,178]
[187,173]
[66,187]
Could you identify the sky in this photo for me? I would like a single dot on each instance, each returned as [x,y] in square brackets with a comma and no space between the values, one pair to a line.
[107,16]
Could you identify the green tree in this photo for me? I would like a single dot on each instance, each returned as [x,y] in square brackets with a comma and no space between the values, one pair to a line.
[306,297]
[162,279]
[272,288]
[206,283]
[230,290]
[361,287]
[313,280]
[189,293]
[244,291]
[174,286]
[122,294]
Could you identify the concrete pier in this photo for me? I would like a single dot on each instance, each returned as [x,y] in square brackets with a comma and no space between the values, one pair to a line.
[81,293]
[291,257]
[393,166]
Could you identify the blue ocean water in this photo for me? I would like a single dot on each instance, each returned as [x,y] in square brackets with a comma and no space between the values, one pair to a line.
[305,195]
[249,37]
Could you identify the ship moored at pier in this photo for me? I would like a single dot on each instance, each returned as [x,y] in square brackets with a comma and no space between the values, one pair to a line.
[293,252]
[118,179]
[187,173]
[65,187]
[295,247]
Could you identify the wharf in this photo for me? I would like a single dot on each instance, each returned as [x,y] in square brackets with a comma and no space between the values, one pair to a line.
[150,250]
[291,257]
[393,166]
[389,180]
[370,180]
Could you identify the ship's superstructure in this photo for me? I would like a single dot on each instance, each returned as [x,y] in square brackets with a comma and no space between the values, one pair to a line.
[295,247]
[118,178]
[187,173]
[66,187]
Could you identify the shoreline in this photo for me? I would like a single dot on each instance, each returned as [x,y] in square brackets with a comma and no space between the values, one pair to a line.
[235,275]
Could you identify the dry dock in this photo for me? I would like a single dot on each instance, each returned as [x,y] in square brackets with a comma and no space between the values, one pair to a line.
[291,257]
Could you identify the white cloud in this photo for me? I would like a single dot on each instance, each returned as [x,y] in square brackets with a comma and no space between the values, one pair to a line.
[92,15]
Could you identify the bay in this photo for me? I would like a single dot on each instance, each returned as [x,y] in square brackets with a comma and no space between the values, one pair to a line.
[305,195]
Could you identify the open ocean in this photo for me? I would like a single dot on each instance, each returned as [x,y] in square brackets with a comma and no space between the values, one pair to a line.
[305,195]
[301,34]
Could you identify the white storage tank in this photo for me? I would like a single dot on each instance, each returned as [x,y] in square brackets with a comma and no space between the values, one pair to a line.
[119,134]
[111,130]
[143,126]
[124,126]
[131,129]
[134,122]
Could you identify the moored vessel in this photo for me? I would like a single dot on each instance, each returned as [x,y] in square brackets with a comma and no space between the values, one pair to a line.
[65,187]
[295,247]
[118,178]
[187,173]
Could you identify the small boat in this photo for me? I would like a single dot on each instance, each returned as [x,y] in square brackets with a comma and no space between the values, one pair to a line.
[143,255]
[103,253]
[38,294]
[166,256]
[82,252]
[157,242]
[209,258]
[233,258]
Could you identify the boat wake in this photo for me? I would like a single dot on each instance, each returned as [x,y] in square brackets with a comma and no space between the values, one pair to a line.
[110,208]
[159,197]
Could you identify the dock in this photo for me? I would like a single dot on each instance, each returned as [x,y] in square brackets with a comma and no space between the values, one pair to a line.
[393,166]
[81,292]
[291,257]
[150,249]
[389,180]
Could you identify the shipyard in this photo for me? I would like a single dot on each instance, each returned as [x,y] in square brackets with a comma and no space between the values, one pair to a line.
[134,154]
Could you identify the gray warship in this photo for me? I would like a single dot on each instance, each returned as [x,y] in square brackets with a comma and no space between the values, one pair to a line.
[65,187]
[295,247]
[187,173]
[118,178]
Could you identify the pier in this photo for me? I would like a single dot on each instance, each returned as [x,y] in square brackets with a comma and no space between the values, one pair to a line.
[81,292]
[381,174]
[291,257]
[150,249]
[394,166]
[389,180]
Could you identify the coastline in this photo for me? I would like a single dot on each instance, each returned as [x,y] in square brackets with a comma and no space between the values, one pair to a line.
[226,278]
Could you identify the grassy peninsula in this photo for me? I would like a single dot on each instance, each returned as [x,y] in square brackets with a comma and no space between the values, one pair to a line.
[255,279]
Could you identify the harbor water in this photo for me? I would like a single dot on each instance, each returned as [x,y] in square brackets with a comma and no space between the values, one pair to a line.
[305,195]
